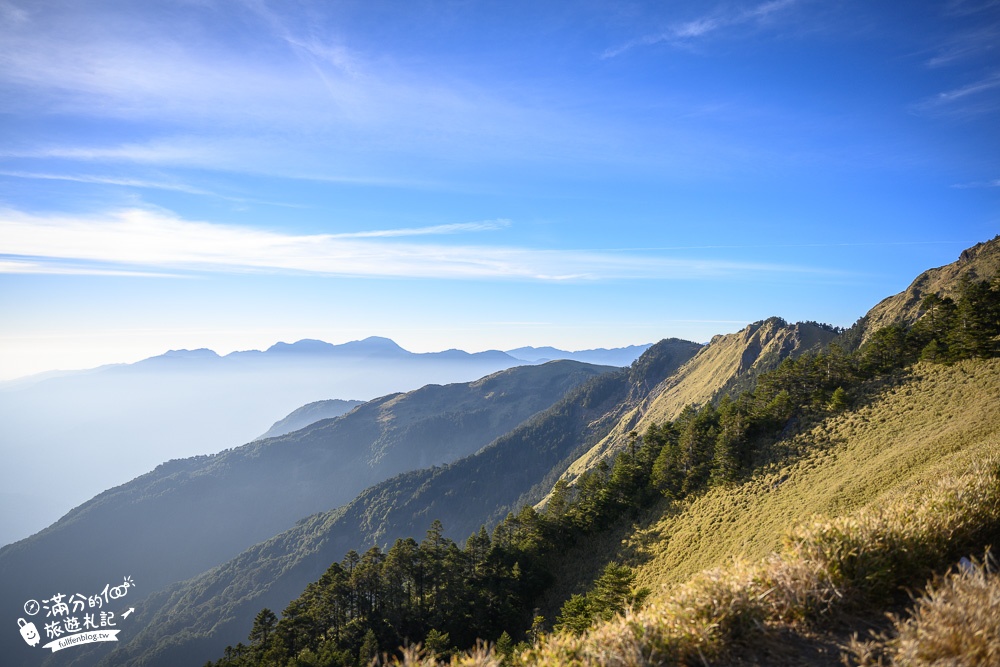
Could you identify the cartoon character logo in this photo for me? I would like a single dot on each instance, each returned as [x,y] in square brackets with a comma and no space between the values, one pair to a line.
[29,632]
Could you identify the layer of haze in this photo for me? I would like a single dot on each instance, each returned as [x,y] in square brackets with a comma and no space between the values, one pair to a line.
[226,174]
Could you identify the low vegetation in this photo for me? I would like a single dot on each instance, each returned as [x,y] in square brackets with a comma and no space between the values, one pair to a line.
[955,622]
[448,598]
[826,567]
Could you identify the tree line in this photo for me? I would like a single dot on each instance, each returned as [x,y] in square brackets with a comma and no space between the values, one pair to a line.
[449,597]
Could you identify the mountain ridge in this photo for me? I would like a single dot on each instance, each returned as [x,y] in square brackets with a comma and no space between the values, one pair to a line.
[727,363]
[743,361]
[370,346]
[229,501]
[515,470]
[309,414]
[223,401]
[490,482]
[981,261]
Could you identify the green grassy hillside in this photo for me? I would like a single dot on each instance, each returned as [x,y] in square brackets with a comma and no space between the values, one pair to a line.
[784,568]
[905,429]
[830,577]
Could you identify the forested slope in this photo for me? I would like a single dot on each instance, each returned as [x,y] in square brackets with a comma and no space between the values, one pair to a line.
[189,515]
[780,451]
[465,495]
[980,262]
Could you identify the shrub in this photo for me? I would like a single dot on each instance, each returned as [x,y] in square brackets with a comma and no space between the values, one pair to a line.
[956,622]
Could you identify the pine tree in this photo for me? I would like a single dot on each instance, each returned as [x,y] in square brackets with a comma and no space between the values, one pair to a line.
[369,649]
[838,401]
[263,626]
[437,644]
[505,648]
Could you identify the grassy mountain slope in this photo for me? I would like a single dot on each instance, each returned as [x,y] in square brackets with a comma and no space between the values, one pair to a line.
[980,262]
[908,433]
[729,362]
[192,621]
[905,430]
[189,515]
[861,457]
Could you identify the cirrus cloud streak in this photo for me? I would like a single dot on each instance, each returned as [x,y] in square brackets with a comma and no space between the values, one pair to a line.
[133,242]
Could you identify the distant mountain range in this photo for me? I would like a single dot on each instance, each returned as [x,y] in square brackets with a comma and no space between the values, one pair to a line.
[588,426]
[621,356]
[85,431]
[518,468]
[189,515]
[478,489]
[214,539]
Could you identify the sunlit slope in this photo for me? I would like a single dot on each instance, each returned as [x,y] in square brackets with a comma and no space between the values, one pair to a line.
[936,421]
[980,262]
[728,363]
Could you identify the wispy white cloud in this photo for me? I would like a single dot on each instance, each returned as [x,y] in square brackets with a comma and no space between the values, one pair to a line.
[176,151]
[684,32]
[111,180]
[302,101]
[229,102]
[257,155]
[966,45]
[966,100]
[995,183]
[139,241]
[142,184]
[35,267]
[11,14]
[955,94]
[969,7]
[454,228]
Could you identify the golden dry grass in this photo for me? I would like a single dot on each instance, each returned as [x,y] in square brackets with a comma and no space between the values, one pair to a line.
[824,567]
[955,623]
[939,421]
[879,499]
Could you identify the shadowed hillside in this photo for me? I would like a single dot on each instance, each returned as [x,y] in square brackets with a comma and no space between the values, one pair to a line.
[192,514]
[308,414]
[191,621]
[179,404]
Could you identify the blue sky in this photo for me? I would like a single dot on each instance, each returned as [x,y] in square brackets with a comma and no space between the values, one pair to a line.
[229,173]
